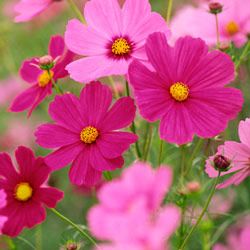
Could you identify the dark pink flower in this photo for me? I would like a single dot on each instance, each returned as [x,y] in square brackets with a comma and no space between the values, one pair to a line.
[85,133]
[26,191]
[186,90]
[112,38]
[39,79]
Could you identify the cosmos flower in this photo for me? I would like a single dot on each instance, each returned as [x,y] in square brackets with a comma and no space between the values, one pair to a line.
[187,91]
[112,37]
[39,78]
[86,133]
[26,191]
[130,215]
[238,153]
[234,22]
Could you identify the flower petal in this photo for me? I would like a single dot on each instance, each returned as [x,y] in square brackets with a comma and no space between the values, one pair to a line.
[29,72]
[56,46]
[244,132]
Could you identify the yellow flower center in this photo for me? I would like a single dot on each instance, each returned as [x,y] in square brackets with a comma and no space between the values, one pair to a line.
[23,191]
[121,47]
[179,91]
[232,28]
[89,135]
[45,77]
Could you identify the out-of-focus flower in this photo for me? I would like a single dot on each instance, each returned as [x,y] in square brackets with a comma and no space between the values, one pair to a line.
[129,214]
[238,154]
[187,92]
[234,22]
[26,191]
[28,9]
[112,37]
[86,133]
[41,79]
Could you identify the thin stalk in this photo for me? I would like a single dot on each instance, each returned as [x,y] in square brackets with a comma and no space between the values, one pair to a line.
[133,127]
[160,152]
[38,237]
[183,165]
[169,10]
[84,234]
[55,85]
[217,31]
[242,56]
[148,142]
[107,175]
[26,242]
[202,213]
[112,82]
[76,10]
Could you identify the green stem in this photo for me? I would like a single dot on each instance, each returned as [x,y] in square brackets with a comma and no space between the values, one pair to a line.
[55,85]
[243,55]
[169,10]
[10,243]
[107,175]
[160,152]
[217,31]
[133,127]
[84,234]
[111,80]
[183,151]
[38,237]
[202,213]
[76,10]
[26,242]
[147,142]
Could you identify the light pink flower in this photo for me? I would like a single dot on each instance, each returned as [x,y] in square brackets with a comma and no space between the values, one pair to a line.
[234,22]
[26,191]
[40,80]
[112,37]
[3,219]
[239,155]
[86,133]
[187,92]
[129,214]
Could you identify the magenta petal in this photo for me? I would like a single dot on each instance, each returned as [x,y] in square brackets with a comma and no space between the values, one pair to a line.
[49,196]
[56,46]
[81,172]
[35,214]
[65,110]
[114,144]
[95,100]
[61,136]
[29,72]
[120,115]
[7,169]
[64,155]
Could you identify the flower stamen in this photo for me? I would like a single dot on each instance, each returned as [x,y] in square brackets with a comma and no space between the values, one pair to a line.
[179,91]
[232,28]
[89,135]
[121,47]
[23,191]
[45,77]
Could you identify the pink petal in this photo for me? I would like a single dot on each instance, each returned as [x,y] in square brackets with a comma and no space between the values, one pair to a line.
[56,46]
[120,115]
[65,110]
[99,17]
[95,100]
[81,172]
[244,132]
[29,72]
[64,155]
[114,144]
[83,40]
[61,136]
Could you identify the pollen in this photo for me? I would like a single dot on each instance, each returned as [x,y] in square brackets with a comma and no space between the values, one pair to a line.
[232,28]
[23,191]
[179,91]
[89,135]
[45,77]
[121,47]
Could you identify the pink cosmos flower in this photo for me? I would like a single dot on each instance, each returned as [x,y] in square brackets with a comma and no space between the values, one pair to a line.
[187,92]
[234,22]
[238,153]
[28,9]
[129,214]
[112,37]
[86,133]
[26,191]
[41,79]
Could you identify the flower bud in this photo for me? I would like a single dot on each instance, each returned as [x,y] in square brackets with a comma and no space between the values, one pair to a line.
[193,186]
[72,246]
[224,46]
[215,8]
[221,163]
[46,62]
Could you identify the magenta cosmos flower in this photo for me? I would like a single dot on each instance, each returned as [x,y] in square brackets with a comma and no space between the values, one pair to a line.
[28,9]
[187,90]
[234,22]
[130,215]
[85,133]
[39,78]
[238,155]
[112,37]
[26,191]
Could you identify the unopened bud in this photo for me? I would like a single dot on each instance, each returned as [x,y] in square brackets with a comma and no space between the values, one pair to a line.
[72,246]
[46,62]
[224,46]
[193,187]
[215,8]
[221,163]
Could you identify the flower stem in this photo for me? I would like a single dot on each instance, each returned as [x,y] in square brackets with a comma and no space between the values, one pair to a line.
[217,31]
[202,213]
[107,175]
[111,80]
[38,237]
[242,56]
[160,152]
[76,10]
[55,85]
[169,10]
[133,127]
[147,141]
[84,234]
